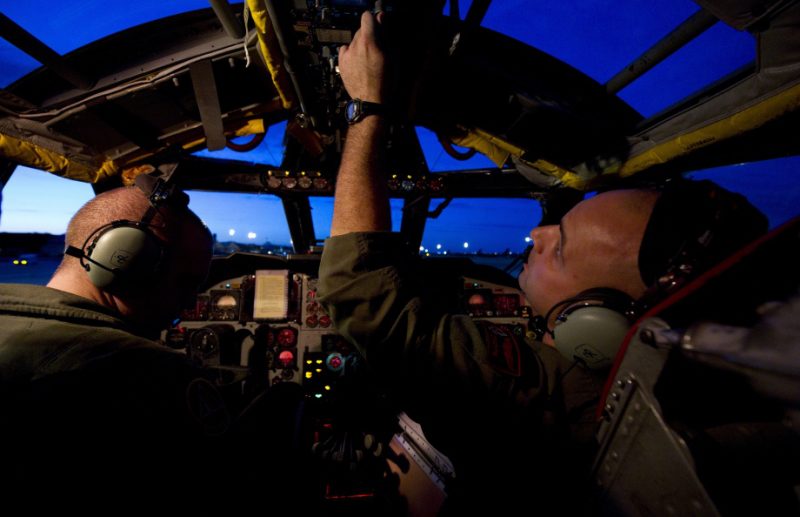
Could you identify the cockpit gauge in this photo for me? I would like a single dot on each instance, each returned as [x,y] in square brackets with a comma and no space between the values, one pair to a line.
[334,362]
[204,343]
[287,337]
[506,304]
[486,302]
[479,302]
[225,305]
[286,358]
[436,184]
[197,312]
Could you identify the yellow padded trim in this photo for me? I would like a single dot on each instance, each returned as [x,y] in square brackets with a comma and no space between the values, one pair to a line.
[271,51]
[751,118]
[499,150]
[31,155]
[496,149]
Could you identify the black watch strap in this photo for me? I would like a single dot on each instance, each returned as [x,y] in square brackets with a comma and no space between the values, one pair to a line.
[356,110]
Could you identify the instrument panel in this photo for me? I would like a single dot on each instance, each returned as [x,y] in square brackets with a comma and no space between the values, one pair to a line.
[269,324]
[265,327]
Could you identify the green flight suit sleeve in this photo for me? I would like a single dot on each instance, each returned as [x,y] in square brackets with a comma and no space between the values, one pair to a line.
[440,365]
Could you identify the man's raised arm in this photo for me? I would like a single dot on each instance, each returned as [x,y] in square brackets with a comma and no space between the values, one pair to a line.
[362,203]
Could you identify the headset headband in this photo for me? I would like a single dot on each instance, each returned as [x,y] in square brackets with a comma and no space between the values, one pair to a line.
[694,225]
[604,296]
[159,193]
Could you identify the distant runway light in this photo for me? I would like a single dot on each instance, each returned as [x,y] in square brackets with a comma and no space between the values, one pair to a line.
[438,246]
[251,235]
[466,245]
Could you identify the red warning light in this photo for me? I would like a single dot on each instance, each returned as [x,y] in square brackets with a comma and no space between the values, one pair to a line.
[286,358]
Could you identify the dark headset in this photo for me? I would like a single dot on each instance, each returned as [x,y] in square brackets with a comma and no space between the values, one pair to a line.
[125,252]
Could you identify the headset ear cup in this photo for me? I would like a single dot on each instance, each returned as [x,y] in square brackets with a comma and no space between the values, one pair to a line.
[591,326]
[123,254]
[591,335]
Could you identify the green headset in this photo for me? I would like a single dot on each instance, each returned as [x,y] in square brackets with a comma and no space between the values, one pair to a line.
[590,326]
[125,252]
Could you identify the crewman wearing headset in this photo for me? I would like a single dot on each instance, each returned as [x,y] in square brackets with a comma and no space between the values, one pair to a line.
[96,416]
[515,416]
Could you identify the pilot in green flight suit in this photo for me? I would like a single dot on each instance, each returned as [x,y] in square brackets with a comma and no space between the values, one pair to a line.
[515,416]
[96,417]
[487,398]
[89,399]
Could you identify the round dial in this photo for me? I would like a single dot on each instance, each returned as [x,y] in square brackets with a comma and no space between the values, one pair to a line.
[287,337]
[204,342]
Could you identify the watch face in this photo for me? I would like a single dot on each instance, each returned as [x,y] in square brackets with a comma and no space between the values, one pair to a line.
[352,112]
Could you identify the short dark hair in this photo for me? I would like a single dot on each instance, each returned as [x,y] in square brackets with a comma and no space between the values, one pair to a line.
[695,225]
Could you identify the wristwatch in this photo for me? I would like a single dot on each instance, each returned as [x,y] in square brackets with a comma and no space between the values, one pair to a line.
[356,110]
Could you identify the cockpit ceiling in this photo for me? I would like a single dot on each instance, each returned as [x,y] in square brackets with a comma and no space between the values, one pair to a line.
[158,92]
